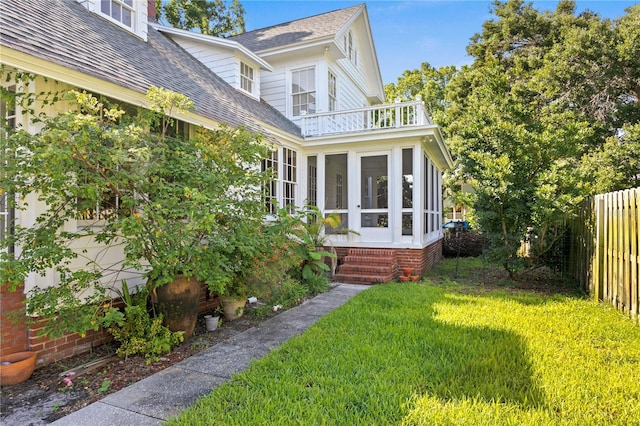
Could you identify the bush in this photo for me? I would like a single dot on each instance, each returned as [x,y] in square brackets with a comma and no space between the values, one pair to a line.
[463,243]
[135,329]
[316,284]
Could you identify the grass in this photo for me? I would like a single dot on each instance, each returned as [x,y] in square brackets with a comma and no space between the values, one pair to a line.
[459,352]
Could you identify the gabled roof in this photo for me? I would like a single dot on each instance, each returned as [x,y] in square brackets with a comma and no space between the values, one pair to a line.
[216,42]
[64,33]
[315,27]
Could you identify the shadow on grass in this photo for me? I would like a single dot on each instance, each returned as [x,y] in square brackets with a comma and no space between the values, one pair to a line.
[457,361]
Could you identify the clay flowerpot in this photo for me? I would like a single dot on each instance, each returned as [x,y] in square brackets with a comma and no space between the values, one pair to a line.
[233,307]
[178,304]
[415,277]
[16,368]
[407,271]
[404,278]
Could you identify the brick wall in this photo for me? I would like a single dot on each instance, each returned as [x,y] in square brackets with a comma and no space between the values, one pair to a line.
[50,350]
[13,334]
[17,337]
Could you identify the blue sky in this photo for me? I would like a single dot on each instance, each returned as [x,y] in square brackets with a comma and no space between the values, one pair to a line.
[407,33]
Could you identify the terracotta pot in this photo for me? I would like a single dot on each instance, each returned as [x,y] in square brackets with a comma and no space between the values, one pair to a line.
[407,271]
[415,277]
[233,307]
[19,369]
[404,278]
[178,303]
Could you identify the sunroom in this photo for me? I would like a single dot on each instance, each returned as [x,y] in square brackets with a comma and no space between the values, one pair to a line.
[380,168]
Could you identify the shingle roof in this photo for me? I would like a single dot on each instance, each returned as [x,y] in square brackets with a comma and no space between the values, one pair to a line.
[307,29]
[65,33]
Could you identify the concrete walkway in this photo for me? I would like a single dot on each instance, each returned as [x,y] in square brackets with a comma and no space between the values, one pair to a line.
[167,393]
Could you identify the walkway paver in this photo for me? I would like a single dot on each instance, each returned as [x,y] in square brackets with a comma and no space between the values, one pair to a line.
[167,393]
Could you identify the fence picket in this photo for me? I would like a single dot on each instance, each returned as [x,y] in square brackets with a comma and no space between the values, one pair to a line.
[604,253]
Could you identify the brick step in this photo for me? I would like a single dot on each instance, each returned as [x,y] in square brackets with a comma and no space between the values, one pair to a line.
[367,260]
[372,252]
[362,279]
[363,269]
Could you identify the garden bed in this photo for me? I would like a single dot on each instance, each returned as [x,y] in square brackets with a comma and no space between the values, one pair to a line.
[46,396]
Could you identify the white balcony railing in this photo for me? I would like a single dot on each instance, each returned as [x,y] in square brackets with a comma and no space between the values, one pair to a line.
[379,117]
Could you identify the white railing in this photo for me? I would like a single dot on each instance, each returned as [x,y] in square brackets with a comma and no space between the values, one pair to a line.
[379,117]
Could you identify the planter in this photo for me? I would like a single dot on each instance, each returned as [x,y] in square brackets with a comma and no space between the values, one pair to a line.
[178,304]
[233,307]
[415,277]
[407,271]
[16,368]
[211,322]
[404,278]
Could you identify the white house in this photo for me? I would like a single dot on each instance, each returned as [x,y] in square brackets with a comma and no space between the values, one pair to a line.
[312,86]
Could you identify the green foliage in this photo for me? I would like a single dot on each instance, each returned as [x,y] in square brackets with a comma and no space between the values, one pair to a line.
[316,284]
[455,354]
[136,331]
[287,294]
[213,18]
[545,116]
[185,205]
[427,82]
[309,227]
[104,386]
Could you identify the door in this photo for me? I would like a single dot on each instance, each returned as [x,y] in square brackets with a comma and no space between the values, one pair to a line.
[373,197]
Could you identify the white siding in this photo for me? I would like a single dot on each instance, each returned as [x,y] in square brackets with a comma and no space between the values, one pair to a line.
[220,61]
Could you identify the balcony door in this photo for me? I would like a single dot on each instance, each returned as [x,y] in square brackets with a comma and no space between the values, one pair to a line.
[373,197]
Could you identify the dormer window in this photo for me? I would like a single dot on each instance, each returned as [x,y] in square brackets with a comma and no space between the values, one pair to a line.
[246,77]
[128,14]
[120,10]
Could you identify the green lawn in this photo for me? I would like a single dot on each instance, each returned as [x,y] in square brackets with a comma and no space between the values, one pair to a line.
[458,352]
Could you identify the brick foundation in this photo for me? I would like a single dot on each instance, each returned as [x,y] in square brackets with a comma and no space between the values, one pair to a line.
[420,260]
[16,336]
[13,334]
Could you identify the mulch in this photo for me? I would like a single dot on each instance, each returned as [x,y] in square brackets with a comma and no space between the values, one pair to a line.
[60,388]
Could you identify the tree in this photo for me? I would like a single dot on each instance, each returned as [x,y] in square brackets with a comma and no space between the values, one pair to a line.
[127,182]
[428,82]
[547,114]
[210,17]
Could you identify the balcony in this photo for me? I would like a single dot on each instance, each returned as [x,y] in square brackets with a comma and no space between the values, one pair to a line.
[379,117]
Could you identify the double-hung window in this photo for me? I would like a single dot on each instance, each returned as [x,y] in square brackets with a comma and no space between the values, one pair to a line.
[281,188]
[289,181]
[303,91]
[246,77]
[333,91]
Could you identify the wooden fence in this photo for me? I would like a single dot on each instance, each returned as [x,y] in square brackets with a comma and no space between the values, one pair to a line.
[604,254]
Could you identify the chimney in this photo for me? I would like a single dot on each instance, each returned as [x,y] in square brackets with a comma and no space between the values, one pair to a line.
[151,11]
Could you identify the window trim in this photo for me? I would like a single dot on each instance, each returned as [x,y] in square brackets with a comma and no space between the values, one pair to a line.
[248,79]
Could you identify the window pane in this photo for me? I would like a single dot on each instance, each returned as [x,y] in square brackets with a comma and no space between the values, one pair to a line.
[374,220]
[312,181]
[407,223]
[336,182]
[407,178]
